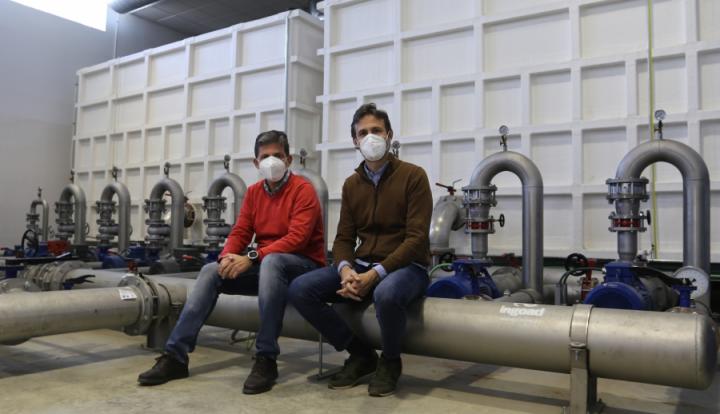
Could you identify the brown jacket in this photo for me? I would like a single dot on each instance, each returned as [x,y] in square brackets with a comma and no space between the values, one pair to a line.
[392,221]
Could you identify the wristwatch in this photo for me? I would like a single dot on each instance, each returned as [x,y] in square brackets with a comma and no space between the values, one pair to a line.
[253,255]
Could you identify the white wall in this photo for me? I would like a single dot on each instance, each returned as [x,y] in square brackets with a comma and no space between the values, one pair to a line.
[39,56]
[568,77]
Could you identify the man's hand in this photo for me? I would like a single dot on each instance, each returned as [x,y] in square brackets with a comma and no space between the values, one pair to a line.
[347,278]
[232,265]
[360,285]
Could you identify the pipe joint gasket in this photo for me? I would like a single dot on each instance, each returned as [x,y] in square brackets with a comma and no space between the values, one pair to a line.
[627,222]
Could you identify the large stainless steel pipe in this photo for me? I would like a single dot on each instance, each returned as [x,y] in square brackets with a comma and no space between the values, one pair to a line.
[321,190]
[446,217]
[177,208]
[80,210]
[235,183]
[654,347]
[532,211]
[696,198]
[44,229]
[123,194]
[28,315]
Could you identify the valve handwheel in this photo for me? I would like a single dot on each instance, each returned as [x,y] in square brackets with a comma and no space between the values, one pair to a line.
[575,261]
[501,220]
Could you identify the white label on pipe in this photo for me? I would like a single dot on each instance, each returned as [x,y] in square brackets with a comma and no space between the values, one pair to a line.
[522,309]
[127,294]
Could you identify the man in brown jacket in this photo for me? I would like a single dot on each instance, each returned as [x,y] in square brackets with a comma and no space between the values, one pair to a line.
[386,204]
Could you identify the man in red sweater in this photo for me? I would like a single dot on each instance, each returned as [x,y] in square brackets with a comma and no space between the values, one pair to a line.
[284,214]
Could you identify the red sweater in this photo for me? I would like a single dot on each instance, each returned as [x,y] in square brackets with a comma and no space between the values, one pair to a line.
[289,221]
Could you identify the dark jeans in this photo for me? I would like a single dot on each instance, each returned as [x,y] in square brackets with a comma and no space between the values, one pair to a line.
[269,281]
[311,293]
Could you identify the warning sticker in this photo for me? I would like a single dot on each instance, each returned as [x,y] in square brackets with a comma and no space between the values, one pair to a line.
[127,294]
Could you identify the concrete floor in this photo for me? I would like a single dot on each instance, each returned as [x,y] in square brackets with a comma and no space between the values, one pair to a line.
[95,372]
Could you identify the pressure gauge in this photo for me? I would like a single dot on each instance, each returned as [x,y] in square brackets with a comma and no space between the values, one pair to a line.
[503,130]
[697,276]
[660,114]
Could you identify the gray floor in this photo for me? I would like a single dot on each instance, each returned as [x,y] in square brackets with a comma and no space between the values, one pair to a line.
[95,372]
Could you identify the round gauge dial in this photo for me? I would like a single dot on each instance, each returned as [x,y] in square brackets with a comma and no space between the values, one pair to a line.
[697,276]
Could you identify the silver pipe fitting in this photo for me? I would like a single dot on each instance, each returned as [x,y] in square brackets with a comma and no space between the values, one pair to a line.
[696,200]
[65,208]
[480,196]
[447,216]
[625,345]
[214,204]
[107,228]
[33,216]
[157,230]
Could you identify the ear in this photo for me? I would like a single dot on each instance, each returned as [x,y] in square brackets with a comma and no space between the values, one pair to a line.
[256,163]
[288,160]
[390,134]
[355,142]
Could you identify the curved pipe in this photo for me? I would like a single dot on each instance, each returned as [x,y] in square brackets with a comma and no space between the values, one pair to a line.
[321,190]
[177,208]
[123,211]
[236,184]
[446,217]
[77,193]
[624,345]
[696,199]
[45,212]
[532,211]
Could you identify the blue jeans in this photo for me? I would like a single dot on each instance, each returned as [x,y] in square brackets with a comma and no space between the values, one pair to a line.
[269,281]
[311,293]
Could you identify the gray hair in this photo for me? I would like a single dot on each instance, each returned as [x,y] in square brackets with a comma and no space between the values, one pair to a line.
[272,137]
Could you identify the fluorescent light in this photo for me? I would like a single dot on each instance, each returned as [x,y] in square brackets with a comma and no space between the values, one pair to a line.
[92,13]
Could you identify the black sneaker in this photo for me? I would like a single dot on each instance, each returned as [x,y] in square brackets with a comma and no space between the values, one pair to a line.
[262,376]
[167,368]
[384,382]
[354,369]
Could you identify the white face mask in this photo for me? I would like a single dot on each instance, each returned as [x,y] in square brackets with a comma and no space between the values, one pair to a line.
[373,147]
[272,169]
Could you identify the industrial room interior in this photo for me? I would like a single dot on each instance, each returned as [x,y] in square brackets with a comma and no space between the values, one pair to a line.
[572,149]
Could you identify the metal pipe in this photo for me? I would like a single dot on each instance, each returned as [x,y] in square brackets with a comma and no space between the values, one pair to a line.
[80,207]
[696,199]
[44,230]
[235,183]
[123,195]
[177,208]
[28,315]
[624,345]
[446,217]
[532,211]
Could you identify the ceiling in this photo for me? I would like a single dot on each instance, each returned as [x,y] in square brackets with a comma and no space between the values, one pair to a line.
[193,17]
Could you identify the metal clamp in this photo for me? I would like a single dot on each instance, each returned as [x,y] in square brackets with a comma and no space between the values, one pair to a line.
[149,299]
[583,385]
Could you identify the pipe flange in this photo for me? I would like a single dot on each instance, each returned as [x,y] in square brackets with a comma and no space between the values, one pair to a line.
[480,226]
[148,297]
[627,222]
[580,325]
[627,188]
[479,195]
[15,285]
[51,276]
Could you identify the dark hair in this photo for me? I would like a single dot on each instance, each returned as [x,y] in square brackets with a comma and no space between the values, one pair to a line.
[272,137]
[369,109]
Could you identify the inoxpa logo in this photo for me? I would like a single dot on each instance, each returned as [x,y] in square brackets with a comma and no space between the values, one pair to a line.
[521,309]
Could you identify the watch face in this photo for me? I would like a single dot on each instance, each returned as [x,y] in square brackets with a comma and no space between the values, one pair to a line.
[253,254]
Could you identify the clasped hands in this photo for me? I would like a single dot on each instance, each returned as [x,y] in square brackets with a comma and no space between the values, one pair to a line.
[355,285]
[233,265]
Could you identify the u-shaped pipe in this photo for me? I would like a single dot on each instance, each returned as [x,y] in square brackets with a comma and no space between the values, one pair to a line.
[80,210]
[123,211]
[532,212]
[696,199]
